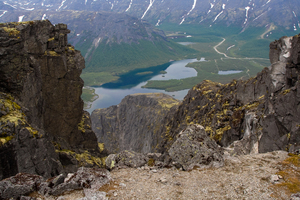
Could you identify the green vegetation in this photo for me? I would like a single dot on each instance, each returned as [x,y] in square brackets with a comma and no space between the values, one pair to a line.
[291,176]
[209,71]
[98,78]
[247,51]
[113,59]
[144,73]
[88,96]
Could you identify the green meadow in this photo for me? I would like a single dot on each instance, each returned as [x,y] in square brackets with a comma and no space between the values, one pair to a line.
[247,51]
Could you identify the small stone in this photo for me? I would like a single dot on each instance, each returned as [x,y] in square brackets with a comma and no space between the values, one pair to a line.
[163,180]
[68,177]
[122,184]
[280,177]
[115,194]
[295,196]
[178,183]
[154,171]
[274,178]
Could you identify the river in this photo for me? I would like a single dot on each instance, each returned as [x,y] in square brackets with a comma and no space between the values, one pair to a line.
[130,83]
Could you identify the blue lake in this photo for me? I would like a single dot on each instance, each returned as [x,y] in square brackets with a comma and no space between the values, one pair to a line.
[130,83]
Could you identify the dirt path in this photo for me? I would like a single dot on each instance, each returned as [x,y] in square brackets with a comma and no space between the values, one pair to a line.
[221,53]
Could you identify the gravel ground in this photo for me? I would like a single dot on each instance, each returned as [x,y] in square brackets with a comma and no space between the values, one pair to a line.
[242,177]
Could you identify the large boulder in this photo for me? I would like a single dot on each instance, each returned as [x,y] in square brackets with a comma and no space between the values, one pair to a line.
[21,184]
[126,159]
[85,178]
[194,147]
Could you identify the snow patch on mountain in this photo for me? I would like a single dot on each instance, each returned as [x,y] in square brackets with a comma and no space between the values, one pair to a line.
[44,17]
[9,4]
[218,16]
[61,5]
[5,11]
[150,5]
[193,7]
[129,6]
[157,24]
[21,18]
[182,21]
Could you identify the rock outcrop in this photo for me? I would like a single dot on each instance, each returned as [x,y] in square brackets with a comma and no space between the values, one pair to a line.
[194,148]
[40,100]
[134,123]
[23,184]
[257,115]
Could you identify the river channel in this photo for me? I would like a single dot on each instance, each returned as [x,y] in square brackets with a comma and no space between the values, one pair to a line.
[132,82]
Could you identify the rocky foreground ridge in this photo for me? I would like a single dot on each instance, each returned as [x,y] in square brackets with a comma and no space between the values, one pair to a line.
[43,128]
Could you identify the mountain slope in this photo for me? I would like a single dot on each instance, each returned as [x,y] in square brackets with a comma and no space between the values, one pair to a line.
[111,43]
[236,12]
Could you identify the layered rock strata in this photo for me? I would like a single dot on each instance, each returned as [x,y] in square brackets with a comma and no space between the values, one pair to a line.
[40,100]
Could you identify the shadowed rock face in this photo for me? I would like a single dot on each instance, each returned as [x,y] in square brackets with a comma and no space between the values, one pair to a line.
[133,124]
[40,89]
[257,115]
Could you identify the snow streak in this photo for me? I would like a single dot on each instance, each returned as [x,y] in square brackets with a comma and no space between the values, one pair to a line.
[129,6]
[266,3]
[194,5]
[294,14]
[61,5]
[157,24]
[150,5]
[259,16]
[44,17]
[211,7]
[9,5]
[5,11]
[218,16]
[247,11]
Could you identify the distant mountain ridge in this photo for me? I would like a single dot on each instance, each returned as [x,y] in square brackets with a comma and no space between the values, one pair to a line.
[230,12]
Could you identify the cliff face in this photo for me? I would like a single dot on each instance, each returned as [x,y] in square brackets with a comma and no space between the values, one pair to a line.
[257,115]
[134,123]
[41,87]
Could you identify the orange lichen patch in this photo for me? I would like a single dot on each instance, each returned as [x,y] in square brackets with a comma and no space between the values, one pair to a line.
[109,188]
[290,174]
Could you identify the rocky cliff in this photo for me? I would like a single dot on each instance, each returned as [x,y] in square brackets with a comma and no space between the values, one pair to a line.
[134,123]
[257,115]
[40,100]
